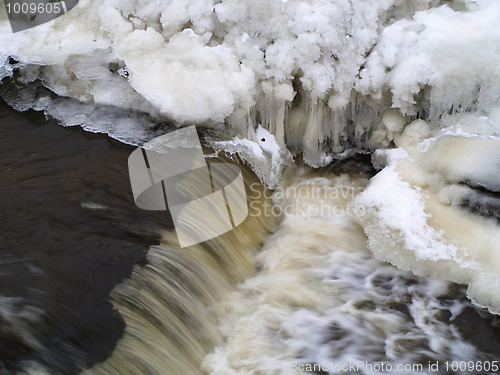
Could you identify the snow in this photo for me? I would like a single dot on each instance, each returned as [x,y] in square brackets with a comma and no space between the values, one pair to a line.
[261,152]
[413,210]
[323,76]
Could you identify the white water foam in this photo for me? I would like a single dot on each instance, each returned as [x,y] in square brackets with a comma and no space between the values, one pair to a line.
[321,299]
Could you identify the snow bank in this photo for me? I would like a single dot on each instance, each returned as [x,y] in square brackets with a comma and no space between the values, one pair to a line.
[322,76]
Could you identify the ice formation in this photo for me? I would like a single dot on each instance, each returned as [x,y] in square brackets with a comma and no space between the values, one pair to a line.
[434,209]
[322,76]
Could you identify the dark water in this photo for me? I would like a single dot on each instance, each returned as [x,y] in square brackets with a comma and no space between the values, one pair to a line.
[69,232]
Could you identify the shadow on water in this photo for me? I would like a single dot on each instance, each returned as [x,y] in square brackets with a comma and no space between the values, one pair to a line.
[69,232]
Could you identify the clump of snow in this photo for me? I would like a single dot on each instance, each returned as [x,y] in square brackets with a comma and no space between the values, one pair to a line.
[447,56]
[396,223]
[192,83]
[261,152]
[433,208]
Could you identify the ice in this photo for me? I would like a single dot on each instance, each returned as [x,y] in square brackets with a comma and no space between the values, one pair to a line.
[125,125]
[401,210]
[322,76]
[261,151]
[433,210]
[192,83]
